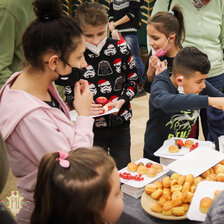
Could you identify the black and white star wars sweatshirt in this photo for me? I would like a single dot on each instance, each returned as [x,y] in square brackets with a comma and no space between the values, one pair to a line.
[112,74]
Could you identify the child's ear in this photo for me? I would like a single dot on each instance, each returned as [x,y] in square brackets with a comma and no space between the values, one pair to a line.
[179,80]
[172,38]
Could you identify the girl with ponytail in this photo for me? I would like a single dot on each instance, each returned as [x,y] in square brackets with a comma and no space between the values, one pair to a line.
[34,119]
[167,33]
[81,186]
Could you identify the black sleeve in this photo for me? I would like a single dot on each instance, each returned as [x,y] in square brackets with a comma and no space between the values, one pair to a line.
[163,99]
[133,10]
[111,12]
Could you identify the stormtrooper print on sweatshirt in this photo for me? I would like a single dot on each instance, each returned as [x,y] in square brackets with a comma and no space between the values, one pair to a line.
[111,73]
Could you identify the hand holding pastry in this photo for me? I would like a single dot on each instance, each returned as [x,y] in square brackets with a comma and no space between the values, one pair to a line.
[117,104]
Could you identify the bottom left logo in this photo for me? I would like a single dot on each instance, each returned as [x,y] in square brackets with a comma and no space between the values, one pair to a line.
[15,202]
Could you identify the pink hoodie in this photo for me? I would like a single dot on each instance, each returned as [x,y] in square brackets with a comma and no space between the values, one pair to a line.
[31,128]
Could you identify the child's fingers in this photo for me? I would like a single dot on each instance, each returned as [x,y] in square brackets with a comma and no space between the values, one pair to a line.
[94,105]
[77,89]
[153,59]
[84,84]
[95,111]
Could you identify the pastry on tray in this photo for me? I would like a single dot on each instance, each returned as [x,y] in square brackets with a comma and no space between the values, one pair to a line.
[142,170]
[173,194]
[173,149]
[188,143]
[205,204]
[132,167]
[151,172]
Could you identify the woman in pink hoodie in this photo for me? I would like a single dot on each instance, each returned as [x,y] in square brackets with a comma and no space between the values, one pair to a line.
[33,118]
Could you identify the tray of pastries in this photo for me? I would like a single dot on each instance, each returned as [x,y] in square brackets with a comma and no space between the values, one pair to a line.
[141,172]
[184,193]
[170,197]
[175,147]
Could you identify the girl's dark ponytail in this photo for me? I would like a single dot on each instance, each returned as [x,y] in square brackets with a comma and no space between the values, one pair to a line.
[180,36]
[169,23]
[49,9]
[51,31]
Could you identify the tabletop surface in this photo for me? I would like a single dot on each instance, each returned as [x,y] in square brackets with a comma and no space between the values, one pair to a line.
[134,214]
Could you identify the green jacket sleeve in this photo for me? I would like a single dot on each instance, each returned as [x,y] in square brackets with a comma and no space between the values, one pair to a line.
[160,5]
[222,29]
[7,44]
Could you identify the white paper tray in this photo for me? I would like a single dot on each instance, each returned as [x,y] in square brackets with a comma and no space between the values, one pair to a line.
[147,180]
[74,114]
[114,110]
[163,151]
[132,191]
[196,162]
[204,189]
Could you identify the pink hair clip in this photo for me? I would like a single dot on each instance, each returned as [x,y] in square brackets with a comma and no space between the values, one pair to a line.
[62,159]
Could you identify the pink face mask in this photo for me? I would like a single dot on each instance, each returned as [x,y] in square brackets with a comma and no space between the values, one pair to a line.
[162,52]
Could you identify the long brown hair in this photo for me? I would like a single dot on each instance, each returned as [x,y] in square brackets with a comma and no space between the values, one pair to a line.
[77,194]
[51,31]
[170,23]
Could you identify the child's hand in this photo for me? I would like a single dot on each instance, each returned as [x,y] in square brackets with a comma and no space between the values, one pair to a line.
[160,67]
[115,34]
[153,60]
[111,26]
[117,104]
[217,102]
[83,98]
[95,109]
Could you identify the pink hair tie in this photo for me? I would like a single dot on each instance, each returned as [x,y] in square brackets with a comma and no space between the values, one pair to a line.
[63,159]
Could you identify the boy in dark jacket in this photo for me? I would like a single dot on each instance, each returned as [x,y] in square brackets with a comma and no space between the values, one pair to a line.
[176,100]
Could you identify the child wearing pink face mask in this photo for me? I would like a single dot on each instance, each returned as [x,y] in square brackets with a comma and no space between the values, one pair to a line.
[167,33]
[81,186]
